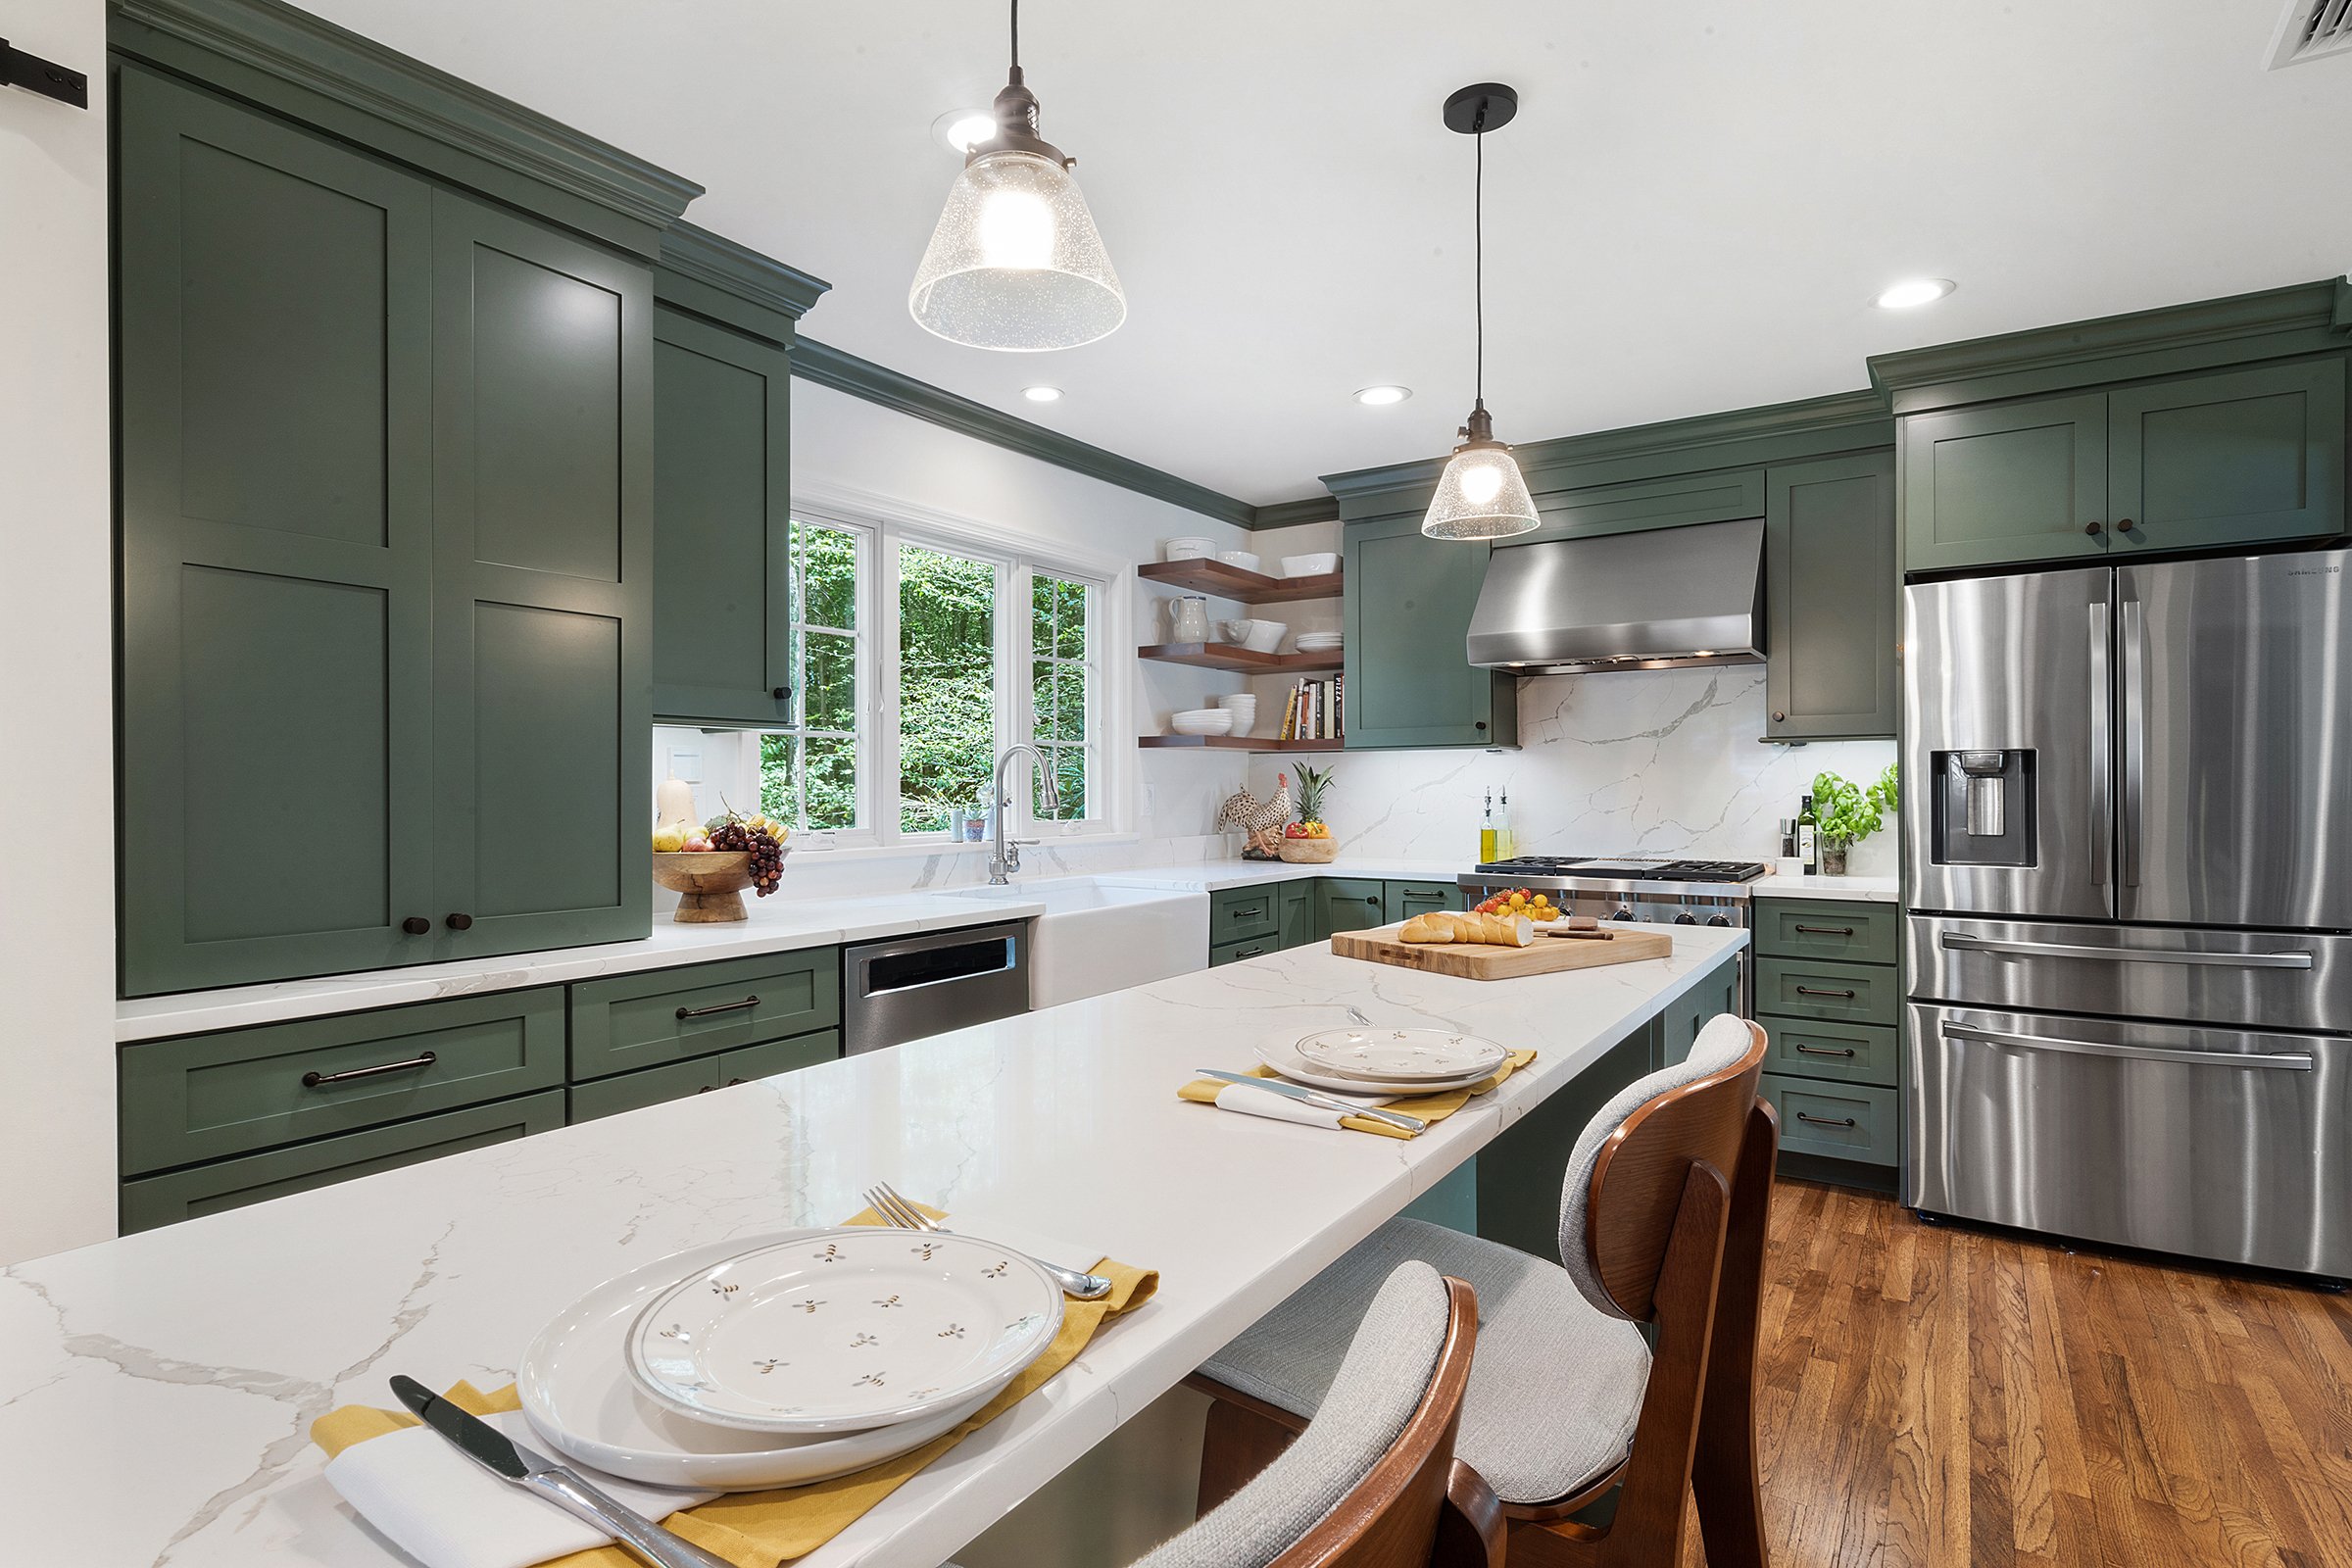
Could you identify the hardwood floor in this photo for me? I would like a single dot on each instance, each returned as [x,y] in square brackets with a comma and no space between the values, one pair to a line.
[1936,1394]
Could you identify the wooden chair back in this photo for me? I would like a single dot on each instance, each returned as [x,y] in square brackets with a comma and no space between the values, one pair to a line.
[1417,1505]
[1637,1182]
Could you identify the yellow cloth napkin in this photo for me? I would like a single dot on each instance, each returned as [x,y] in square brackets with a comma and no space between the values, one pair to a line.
[1429,1108]
[760,1529]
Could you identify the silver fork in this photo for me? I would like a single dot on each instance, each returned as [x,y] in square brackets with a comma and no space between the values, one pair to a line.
[906,1216]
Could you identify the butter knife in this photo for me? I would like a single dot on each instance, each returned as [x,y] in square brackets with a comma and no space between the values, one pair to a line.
[1321,1102]
[510,1461]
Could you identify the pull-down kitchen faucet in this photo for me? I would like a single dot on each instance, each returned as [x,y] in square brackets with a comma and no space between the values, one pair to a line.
[1007,857]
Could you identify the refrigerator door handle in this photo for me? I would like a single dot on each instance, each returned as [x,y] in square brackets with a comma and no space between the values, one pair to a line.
[1961,942]
[2289,1060]
[2136,724]
[2102,744]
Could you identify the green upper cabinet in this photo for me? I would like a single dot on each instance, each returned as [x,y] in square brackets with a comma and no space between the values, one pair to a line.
[1410,681]
[722,524]
[1830,591]
[2221,460]
[2011,482]
[385,496]
[277,438]
[1718,496]
[542,584]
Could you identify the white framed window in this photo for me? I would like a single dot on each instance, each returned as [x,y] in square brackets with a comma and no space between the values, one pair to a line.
[924,645]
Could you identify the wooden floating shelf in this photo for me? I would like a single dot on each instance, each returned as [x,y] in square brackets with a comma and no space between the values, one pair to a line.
[1212,576]
[1234,656]
[1237,743]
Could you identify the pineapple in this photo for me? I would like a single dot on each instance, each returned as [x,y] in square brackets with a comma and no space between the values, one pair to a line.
[1312,783]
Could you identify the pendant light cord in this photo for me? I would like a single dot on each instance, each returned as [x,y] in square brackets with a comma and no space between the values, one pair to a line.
[1016,38]
[1478,253]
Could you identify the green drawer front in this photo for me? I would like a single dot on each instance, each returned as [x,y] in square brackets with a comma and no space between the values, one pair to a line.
[753,1062]
[154,1200]
[1239,912]
[1408,899]
[206,1097]
[1843,992]
[656,1086]
[1844,1121]
[1854,1052]
[1856,933]
[1236,952]
[643,1020]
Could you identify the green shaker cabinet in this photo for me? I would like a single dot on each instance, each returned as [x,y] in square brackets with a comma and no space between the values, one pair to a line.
[1405,899]
[1829,589]
[2009,482]
[1348,904]
[385,496]
[1410,681]
[722,513]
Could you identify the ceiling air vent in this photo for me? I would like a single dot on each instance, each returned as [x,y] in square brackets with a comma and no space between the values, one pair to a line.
[2309,29]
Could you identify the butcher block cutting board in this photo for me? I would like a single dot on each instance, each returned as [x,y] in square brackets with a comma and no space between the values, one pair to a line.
[1478,961]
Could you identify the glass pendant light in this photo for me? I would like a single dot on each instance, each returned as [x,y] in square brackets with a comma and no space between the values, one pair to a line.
[1015,263]
[1481,494]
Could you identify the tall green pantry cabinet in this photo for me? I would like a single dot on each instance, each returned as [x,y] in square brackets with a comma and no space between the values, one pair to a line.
[386,501]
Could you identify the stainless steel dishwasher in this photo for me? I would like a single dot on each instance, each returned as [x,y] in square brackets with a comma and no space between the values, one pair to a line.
[911,987]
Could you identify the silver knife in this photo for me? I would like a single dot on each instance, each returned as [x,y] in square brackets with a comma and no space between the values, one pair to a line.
[509,1460]
[1315,1098]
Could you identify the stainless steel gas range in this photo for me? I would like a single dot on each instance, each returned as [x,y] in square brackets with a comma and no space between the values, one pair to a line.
[1632,887]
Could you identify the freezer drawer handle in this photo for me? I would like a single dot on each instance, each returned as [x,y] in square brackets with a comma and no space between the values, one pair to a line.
[1824,1050]
[423,1058]
[718,1006]
[1962,942]
[1827,1121]
[1825,930]
[2294,1060]
[1808,991]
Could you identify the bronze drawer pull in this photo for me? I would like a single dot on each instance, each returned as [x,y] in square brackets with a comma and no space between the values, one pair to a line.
[1824,1050]
[731,1083]
[1249,952]
[718,1006]
[1250,913]
[1826,930]
[313,1080]
[1808,991]
[1826,1122]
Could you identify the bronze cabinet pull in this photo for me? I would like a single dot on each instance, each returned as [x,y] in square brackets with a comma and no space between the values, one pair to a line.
[718,1006]
[1249,952]
[416,925]
[2093,529]
[460,922]
[1250,913]
[1826,1122]
[1808,991]
[1825,930]
[1824,1050]
[312,1079]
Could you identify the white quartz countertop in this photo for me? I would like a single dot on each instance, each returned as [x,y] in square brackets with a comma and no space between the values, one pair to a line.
[156,1391]
[1859,889]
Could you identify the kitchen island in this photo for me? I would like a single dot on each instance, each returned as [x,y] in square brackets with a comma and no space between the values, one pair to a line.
[156,1391]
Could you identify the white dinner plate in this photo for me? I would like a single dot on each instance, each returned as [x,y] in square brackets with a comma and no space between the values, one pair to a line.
[1402,1055]
[843,1329]
[1285,1060]
[578,1396]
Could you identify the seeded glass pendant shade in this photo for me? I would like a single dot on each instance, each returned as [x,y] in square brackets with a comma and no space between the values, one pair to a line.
[1016,263]
[1482,494]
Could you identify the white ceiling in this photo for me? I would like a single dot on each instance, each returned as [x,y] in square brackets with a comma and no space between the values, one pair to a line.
[1691,212]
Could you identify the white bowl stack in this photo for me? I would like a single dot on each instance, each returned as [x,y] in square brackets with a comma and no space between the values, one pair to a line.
[1243,705]
[1202,721]
[1313,566]
[1320,642]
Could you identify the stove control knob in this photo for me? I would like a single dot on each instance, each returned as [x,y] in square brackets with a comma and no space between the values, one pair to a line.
[1686,918]
[1625,911]
[1719,919]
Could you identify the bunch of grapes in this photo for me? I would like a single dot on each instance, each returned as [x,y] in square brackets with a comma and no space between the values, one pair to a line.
[767,856]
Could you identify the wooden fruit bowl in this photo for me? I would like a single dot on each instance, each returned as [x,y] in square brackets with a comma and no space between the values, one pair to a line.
[1309,852]
[711,882]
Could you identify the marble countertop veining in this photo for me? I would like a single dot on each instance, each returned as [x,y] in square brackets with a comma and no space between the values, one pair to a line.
[1855,889]
[156,1391]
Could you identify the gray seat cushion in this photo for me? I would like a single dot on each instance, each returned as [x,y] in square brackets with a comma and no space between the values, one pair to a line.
[1555,1388]
[1374,1382]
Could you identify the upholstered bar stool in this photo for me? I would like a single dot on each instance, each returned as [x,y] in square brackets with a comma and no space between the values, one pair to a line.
[1372,1482]
[1662,1220]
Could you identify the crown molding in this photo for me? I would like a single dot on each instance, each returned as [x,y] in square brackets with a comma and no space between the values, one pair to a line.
[309,69]
[1290,513]
[2304,319]
[733,284]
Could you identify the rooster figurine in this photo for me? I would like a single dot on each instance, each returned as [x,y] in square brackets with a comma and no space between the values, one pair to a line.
[1262,821]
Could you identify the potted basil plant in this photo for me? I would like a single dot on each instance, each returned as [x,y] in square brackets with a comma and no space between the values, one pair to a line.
[1846,812]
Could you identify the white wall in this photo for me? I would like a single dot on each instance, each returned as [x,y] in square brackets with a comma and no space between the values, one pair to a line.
[57,909]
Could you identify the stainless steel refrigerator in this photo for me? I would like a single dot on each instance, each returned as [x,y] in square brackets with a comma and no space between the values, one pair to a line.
[2127,819]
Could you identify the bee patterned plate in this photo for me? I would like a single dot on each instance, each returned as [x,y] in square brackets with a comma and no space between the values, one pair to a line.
[844,1328]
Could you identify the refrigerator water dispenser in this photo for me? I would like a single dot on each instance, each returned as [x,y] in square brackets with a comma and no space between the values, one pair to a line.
[1983,807]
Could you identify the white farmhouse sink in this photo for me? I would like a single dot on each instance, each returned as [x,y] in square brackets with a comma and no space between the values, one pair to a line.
[1095,938]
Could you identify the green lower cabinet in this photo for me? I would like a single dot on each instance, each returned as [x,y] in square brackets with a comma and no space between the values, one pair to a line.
[1855,1053]
[632,1021]
[1243,951]
[1849,993]
[1409,682]
[1298,902]
[1348,904]
[1521,1172]
[1716,994]
[1235,913]
[153,1200]
[206,1097]
[1401,900]
[1849,931]
[654,1086]
[1833,1120]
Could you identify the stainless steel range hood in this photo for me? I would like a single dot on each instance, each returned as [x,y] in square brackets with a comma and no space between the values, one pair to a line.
[1656,600]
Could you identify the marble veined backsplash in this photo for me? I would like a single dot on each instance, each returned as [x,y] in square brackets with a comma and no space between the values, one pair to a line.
[1648,762]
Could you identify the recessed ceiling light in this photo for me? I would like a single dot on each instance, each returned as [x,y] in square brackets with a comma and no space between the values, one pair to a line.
[1380,397]
[959,129]
[1914,291]
[1041,393]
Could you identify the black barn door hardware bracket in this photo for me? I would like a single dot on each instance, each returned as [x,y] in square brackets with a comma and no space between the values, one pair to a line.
[46,77]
